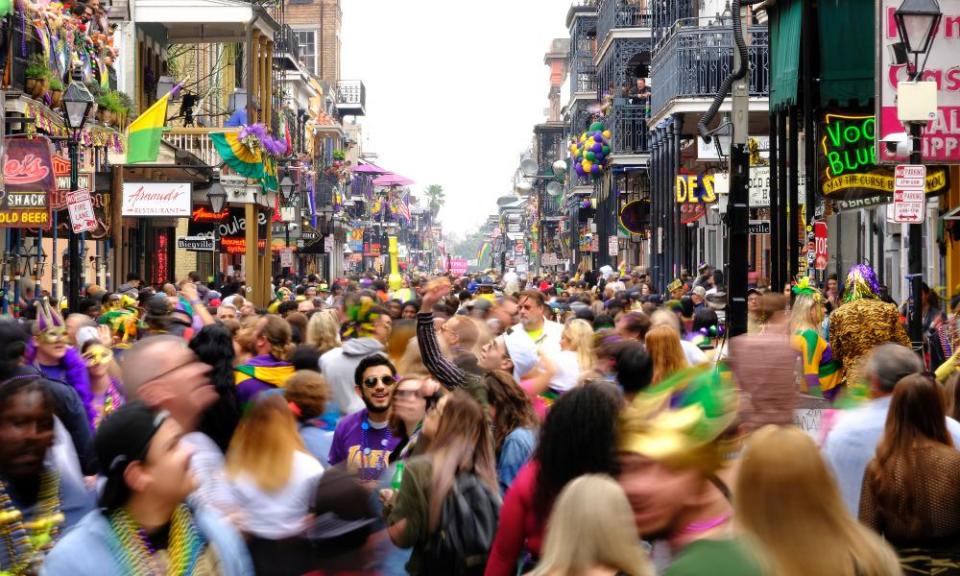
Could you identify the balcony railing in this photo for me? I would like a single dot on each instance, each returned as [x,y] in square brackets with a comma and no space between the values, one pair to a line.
[351,98]
[195,141]
[613,14]
[629,123]
[287,44]
[693,61]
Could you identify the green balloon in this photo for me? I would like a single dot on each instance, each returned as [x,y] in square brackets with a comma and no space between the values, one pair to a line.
[590,155]
[596,126]
[606,149]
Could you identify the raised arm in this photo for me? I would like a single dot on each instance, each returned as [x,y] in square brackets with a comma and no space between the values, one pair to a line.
[448,373]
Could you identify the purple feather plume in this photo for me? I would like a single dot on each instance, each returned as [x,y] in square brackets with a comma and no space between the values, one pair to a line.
[77,377]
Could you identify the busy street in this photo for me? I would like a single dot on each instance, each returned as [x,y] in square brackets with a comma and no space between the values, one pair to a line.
[551,288]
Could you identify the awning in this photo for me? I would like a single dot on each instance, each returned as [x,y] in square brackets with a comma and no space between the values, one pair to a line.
[847,56]
[785,23]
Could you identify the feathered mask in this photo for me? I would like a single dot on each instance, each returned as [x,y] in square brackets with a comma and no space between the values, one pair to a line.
[803,288]
[50,327]
[360,319]
[861,283]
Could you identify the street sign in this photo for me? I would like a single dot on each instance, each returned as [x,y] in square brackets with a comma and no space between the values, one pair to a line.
[80,207]
[759,226]
[328,243]
[286,258]
[909,197]
[821,255]
[613,246]
[196,243]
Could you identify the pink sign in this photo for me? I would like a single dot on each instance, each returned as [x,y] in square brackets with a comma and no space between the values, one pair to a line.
[458,266]
[941,137]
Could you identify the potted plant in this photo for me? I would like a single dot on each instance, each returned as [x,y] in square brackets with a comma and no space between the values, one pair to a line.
[126,105]
[108,105]
[36,75]
[56,91]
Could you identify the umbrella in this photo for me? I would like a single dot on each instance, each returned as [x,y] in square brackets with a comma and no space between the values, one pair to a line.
[369,169]
[391,179]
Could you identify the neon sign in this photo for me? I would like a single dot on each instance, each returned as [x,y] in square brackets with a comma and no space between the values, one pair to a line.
[695,189]
[848,144]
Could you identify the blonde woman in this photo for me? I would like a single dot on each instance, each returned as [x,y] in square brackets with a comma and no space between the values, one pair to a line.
[274,481]
[592,532]
[666,354]
[789,507]
[821,373]
[323,331]
[576,355]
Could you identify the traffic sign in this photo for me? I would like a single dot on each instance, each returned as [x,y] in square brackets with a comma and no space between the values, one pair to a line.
[909,196]
[80,207]
[821,254]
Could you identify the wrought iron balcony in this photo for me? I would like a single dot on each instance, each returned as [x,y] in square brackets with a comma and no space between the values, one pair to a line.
[196,141]
[629,122]
[351,98]
[693,61]
[287,47]
[622,14]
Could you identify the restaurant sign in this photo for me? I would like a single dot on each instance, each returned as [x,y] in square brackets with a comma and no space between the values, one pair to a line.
[29,181]
[170,199]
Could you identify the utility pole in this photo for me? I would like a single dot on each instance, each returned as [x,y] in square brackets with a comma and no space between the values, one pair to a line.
[738,206]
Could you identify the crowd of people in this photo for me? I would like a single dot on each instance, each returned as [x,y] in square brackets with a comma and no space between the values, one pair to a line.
[485,424]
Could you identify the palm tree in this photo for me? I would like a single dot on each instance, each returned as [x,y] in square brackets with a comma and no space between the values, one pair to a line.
[436,198]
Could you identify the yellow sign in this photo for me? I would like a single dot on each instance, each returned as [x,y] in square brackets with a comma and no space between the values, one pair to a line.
[936,181]
[695,189]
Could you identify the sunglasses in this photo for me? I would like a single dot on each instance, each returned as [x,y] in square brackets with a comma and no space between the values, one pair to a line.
[53,335]
[372,381]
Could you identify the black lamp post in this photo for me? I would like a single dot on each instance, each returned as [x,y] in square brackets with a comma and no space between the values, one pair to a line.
[287,188]
[217,197]
[77,103]
[917,22]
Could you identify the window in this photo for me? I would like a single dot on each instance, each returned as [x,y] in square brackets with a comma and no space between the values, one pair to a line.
[307,39]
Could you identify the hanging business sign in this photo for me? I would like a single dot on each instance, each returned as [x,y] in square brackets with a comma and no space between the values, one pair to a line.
[28,183]
[635,216]
[941,137]
[169,199]
[695,189]
[230,225]
[849,160]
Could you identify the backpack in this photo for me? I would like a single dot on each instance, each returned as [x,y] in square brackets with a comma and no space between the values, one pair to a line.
[464,535]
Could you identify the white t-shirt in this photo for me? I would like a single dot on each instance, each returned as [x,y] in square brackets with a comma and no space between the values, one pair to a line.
[282,513]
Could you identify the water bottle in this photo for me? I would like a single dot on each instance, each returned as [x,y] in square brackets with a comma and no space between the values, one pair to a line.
[397,476]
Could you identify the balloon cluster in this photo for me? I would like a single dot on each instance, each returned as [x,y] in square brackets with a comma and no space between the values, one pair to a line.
[591,150]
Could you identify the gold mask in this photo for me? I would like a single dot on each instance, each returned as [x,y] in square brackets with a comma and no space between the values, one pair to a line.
[53,335]
[97,356]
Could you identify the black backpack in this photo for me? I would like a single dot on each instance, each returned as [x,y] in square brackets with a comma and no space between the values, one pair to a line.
[464,536]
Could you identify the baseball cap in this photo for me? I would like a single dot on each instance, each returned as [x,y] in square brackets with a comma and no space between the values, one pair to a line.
[522,352]
[123,438]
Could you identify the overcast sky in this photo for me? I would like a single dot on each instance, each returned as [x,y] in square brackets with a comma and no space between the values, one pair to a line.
[453,90]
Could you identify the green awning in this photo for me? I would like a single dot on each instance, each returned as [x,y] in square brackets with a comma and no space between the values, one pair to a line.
[847,56]
[785,19]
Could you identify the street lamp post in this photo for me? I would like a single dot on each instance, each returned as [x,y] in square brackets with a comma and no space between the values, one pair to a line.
[917,22]
[287,187]
[77,102]
[218,197]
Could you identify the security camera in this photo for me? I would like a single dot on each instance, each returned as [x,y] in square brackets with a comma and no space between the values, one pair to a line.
[898,144]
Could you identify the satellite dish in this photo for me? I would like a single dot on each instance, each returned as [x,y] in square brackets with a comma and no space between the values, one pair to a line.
[524,187]
[559,167]
[554,188]
[529,167]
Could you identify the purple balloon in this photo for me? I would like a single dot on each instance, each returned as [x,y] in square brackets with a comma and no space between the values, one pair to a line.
[598,136]
[579,169]
[597,148]
[595,169]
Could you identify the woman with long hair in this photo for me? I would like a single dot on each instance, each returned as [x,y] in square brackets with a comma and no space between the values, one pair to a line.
[666,353]
[514,425]
[323,331]
[107,390]
[461,447]
[406,420]
[592,532]
[811,531]
[578,437]
[270,368]
[909,489]
[213,345]
[274,481]
[821,373]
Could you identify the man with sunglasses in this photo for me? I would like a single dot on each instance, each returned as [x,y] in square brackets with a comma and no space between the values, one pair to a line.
[363,439]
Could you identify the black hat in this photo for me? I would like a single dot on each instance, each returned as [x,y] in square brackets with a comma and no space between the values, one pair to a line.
[124,437]
[158,305]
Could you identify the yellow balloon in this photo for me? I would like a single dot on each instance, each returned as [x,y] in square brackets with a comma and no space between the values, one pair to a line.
[607,134]
[587,165]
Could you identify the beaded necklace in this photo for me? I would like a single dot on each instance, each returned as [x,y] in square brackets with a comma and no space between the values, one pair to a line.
[134,550]
[108,402]
[365,452]
[26,542]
